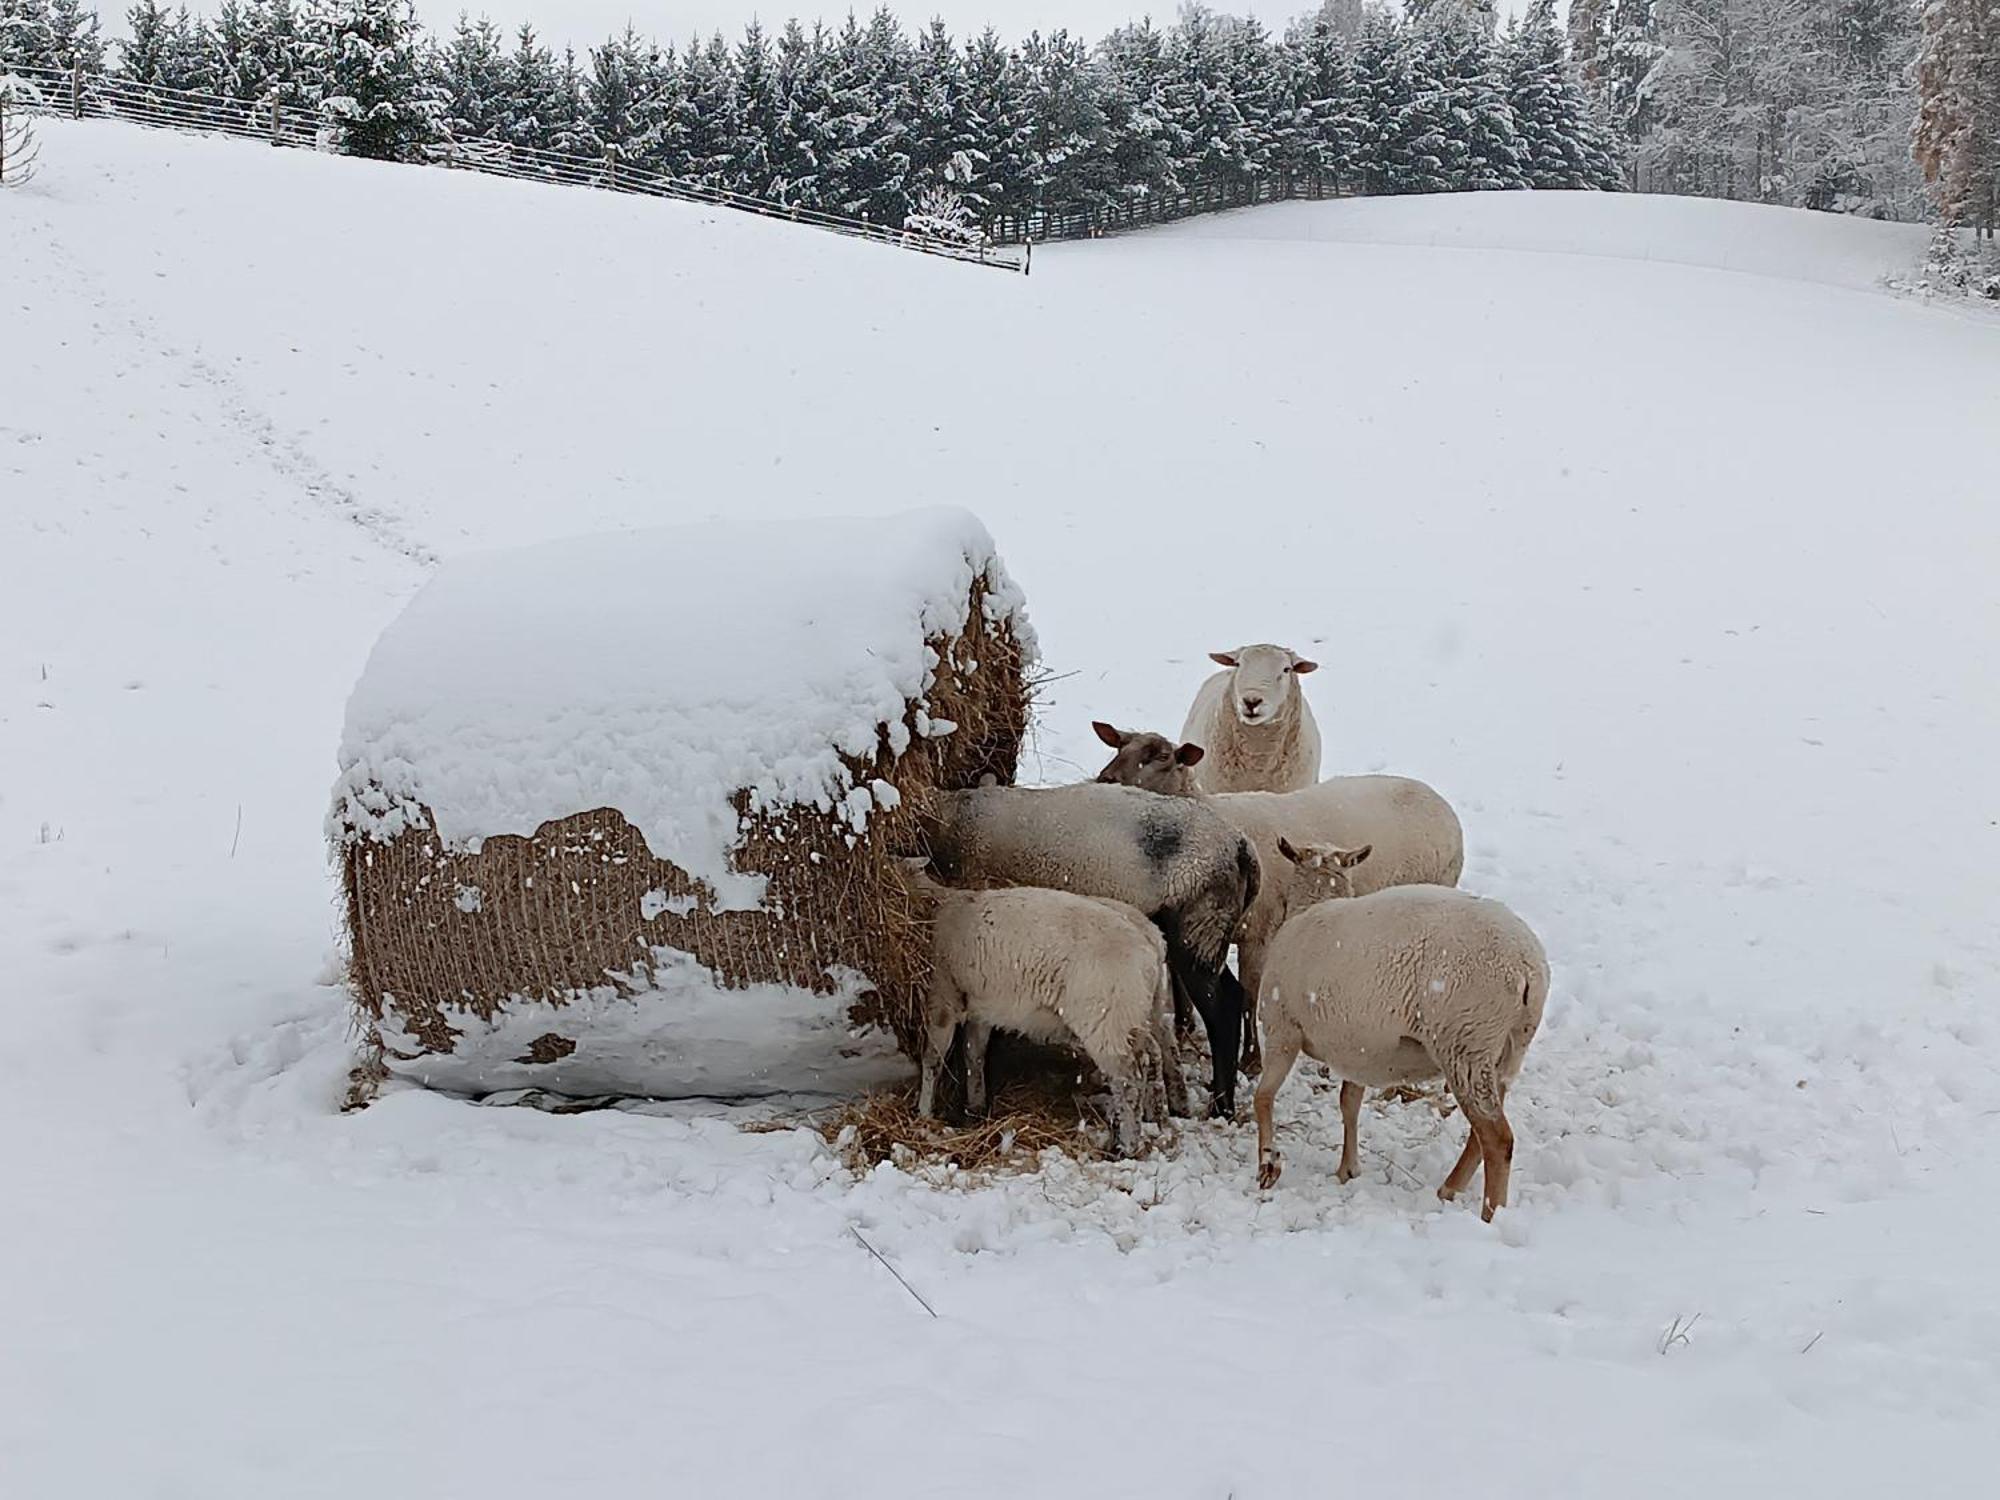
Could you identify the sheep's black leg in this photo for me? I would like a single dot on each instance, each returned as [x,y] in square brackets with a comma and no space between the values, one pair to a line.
[1220,1006]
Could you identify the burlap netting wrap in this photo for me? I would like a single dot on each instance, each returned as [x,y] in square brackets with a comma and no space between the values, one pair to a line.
[470,958]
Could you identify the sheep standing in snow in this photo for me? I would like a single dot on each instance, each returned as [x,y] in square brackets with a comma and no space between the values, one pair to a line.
[1413,832]
[1403,986]
[1172,858]
[1255,723]
[1055,968]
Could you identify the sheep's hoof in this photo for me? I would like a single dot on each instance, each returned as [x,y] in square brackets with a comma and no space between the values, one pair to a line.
[1345,1174]
[1268,1170]
[1486,1211]
[1222,1109]
[1447,1194]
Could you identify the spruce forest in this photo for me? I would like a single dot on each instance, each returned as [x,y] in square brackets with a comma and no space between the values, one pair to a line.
[1776,101]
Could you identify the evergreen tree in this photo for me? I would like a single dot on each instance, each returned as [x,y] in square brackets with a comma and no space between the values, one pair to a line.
[946,150]
[1387,86]
[75,40]
[282,46]
[1483,152]
[1069,147]
[755,123]
[24,35]
[998,107]
[1136,90]
[1323,144]
[1561,144]
[1223,150]
[189,58]
[471,71]
[145,51]
[377,102]
[236,62]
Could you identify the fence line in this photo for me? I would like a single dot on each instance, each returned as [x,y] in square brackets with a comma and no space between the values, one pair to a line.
[295,124]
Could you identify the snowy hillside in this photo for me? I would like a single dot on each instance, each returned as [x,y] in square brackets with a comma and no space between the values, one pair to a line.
[1678,581]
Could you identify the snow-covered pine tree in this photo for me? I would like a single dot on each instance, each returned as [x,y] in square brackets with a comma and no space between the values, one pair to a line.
[877,60]
[815,133]
[1223,151]
[755,125]
[1486,147]
[188,60]
[532,106]
[1386,86]
[944,153]
[24,34]
[377,103]
[611,91]
[706,107]
[1324,143]
[471,70]
[236,62]
[1136,78]
[997,104]
[284,52]
[145,51]
[1069,146]
[1956,137]
[75,38]
[1561,144]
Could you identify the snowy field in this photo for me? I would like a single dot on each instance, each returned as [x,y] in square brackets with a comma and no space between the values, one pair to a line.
[1649,532]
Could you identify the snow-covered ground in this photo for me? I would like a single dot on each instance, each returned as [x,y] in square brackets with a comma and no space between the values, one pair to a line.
[1673,568]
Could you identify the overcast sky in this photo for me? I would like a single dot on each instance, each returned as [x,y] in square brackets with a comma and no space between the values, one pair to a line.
[583,23]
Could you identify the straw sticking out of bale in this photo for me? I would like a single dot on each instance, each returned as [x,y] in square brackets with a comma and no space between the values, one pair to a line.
[579,958]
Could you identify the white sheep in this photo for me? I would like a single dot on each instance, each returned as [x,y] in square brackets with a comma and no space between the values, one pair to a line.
[1054,967]
[1255,723]
[1415,836]
[1403,986]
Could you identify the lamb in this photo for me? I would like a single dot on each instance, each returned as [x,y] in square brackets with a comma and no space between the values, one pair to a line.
[1055,968]
[1403,986]
[1255,723]
[1172,858]
[1414,834]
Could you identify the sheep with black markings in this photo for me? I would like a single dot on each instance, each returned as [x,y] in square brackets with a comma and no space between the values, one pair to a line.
[1415,836]
[1172,858]
[1053,967]
[1253,720]
[1406,985]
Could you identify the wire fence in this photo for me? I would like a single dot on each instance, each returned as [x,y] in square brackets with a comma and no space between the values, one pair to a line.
[296,123]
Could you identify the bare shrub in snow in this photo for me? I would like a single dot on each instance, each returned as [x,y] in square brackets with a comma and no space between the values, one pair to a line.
[19,146]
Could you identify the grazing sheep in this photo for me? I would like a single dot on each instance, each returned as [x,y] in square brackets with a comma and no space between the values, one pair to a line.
[1402,986]
[1172,858]
[1255,723]
[1055,968]
[1415,836]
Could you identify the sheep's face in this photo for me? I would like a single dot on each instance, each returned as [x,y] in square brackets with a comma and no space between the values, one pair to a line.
[1151,762]
[1263,681]
[1319,872]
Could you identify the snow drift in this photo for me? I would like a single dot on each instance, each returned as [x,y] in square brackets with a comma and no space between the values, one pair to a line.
[585,787]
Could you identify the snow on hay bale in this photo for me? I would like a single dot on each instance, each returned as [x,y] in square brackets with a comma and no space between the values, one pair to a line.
[616,814]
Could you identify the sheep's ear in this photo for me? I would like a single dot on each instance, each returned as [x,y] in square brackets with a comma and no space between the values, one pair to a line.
[1300,664]
[1285,848]
[1115,738]
[1227,658]
[1189,754]
[1347,859]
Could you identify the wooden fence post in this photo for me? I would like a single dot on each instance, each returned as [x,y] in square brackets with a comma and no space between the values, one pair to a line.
[76,89]
[277,122]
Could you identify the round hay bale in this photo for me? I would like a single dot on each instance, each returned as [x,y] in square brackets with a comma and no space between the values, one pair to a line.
[615,815]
